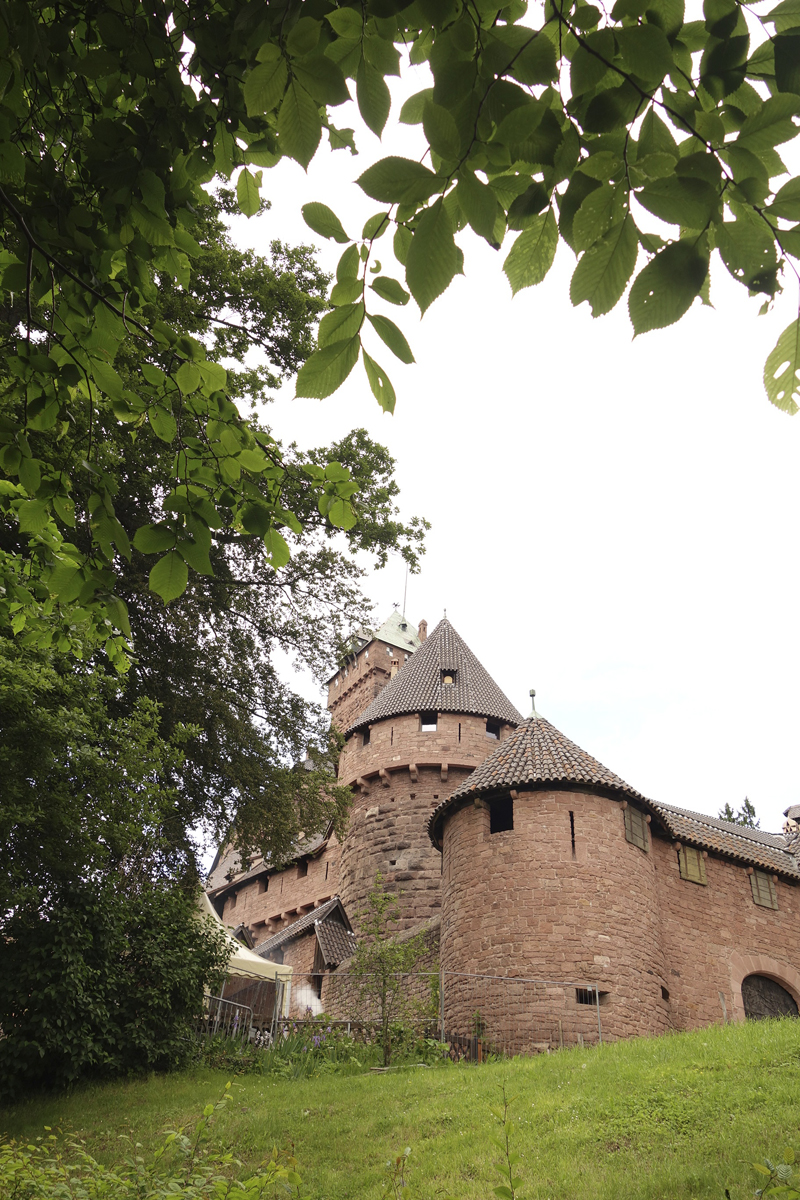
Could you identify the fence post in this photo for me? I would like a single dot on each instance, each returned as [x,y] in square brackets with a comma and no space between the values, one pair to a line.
[599,1026]
[441,1005]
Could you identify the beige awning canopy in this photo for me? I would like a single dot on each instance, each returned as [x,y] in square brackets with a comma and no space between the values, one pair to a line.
[242,960]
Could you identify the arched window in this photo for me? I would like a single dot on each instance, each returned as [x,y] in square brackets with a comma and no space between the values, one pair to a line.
[764,997]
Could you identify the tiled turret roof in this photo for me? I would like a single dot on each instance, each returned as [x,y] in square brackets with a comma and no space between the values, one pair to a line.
[419,686]
[538,754]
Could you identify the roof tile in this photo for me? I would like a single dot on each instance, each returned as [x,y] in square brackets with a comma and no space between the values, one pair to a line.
[418,686]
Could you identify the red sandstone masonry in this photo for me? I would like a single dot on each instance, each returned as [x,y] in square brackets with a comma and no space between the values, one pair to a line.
[288,896]
[518,903]
[714,936]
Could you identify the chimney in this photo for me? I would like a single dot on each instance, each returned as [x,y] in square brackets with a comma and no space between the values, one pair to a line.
[395,667]
[423,630]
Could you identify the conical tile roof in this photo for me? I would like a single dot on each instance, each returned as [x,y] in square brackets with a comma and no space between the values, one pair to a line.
[534,754]
[419,686]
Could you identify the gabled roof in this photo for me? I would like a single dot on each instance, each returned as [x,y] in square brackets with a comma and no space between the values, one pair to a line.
[768,850]
[307,847]
[538,755]
[418,686]
[396,630]
[307,923]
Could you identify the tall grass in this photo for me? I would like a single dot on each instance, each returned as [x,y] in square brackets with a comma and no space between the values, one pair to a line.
[672,1118]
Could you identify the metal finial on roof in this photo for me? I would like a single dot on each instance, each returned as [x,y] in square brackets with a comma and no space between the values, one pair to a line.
[533,712]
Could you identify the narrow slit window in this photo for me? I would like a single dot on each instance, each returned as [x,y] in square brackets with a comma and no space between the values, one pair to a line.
[636,828]
[428,722]
[501,815]
[493,729]
[763,886]
[664,993]
[572,831]
[459,731]
[692,866]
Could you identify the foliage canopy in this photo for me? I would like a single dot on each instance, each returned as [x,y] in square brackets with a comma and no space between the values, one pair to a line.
[644,140]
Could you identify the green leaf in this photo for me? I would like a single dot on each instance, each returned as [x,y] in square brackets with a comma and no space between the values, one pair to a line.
[30,475]
[303,37]
[666,288]
[521,123]
[196,556]
[612,109]
[432,258]
[341,514]
[748,250]
[787,61]
[413,110]
[247,194]
[324,221]
[347,22]
[524,208]
[375,226]
[782,370]
[787,201]
[299,124]
[478,204]
[396,180]
[347,291]
[689,202]
[154,539]
[33,516]
[349,264]
[603,272]
[379,382]
[327,368]
[107,378]
[374,99]
[162,422]
[645,51]
[277,548]
[532,254]
[594,217]
[390,289]
[772,125]
[343,322]
[323,79]
[264,86]
[441,130]
[590,61]
[392,336]
[169,577]
[188,377]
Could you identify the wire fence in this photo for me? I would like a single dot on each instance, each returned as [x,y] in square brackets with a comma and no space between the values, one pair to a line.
[476,1017]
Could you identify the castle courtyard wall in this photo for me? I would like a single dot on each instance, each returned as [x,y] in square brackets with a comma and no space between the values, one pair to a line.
[715,935]
[289,893]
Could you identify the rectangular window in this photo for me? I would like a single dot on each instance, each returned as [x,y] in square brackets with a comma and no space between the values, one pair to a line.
[263,884]
[302,869]
[590,996]
[493,729]
[365,736]
[428,722]
[692,865]
[636,827]
[764,892]
[448,677]
[501,815]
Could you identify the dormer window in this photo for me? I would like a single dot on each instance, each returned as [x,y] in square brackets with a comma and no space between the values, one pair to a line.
[493,730]
[449,678]
[428,722]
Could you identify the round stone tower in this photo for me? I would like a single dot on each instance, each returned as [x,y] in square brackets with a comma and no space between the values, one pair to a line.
[427,729]
[547,873]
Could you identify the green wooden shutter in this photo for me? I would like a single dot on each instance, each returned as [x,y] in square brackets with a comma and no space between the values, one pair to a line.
[763,887]
[693,867]
[636,827]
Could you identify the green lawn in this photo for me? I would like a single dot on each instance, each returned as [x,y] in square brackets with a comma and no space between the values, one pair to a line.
[667,1118]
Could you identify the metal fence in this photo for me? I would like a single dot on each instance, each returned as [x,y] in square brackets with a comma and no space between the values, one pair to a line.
[477,1016]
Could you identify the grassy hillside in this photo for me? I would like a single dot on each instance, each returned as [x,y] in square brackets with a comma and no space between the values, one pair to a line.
[678,1117]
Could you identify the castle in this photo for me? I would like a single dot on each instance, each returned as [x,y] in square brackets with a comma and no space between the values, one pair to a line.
[523,856]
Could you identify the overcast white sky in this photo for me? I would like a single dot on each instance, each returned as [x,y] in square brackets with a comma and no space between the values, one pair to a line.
[614,521]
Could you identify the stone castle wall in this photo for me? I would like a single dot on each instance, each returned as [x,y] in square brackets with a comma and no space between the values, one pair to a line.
[522,903]
[288,895]
[667,953]
[399,777]
[715,935]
